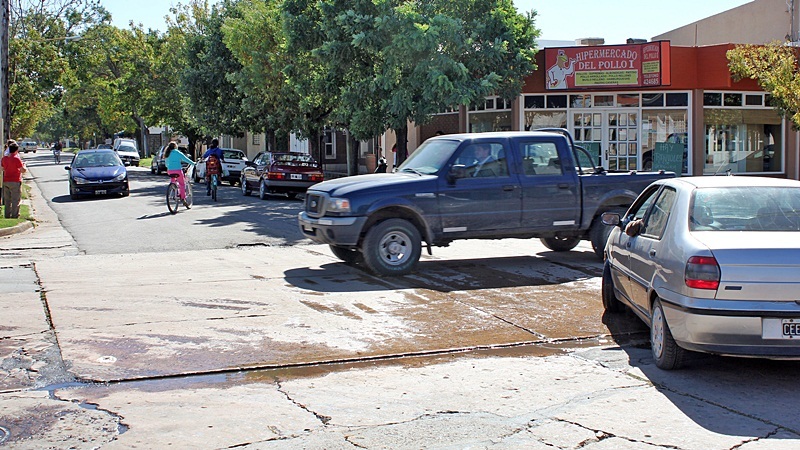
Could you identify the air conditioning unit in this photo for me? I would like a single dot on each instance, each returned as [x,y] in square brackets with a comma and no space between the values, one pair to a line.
[590,41]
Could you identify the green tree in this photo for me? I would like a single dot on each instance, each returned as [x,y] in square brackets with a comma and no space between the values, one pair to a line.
[388,62]
[775,68]
[38,34]
[209,69]
[256,39]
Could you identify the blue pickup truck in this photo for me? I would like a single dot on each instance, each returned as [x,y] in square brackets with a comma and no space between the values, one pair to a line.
[470,186]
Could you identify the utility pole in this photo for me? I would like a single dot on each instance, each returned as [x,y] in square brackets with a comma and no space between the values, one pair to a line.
[5,109]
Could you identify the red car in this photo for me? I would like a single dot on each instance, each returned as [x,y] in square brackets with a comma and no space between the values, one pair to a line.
[280,173]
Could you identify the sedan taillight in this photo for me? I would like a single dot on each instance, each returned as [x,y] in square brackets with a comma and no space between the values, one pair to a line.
[276,175]
[702,272]
[316,177]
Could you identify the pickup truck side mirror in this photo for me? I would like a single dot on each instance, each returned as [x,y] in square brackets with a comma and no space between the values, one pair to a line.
[456,171]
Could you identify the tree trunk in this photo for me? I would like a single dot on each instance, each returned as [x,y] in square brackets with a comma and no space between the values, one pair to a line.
[402,144]
[352,154]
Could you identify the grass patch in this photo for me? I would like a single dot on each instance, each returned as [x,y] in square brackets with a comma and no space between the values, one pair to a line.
[24,214]
[146,162]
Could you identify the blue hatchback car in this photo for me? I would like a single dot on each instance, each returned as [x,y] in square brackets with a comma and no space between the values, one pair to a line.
[97,172]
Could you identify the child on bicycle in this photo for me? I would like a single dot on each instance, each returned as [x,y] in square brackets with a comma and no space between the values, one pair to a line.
[172,159]
[214,158]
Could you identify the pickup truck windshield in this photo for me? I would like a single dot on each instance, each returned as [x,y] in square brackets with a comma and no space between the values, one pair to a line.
[430,157]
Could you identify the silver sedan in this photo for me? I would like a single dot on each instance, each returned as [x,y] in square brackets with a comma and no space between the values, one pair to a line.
[711,264]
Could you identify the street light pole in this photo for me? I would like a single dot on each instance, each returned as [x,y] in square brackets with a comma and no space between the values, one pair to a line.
[5,109]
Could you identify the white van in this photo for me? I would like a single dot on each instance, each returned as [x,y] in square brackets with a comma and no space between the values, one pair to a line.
[28,146]
[127,150]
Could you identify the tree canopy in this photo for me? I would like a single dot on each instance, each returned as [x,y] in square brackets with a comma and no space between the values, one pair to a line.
[775,68]
[266,65]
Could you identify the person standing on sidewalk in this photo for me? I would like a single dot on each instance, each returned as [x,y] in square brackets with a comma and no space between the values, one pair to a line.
[13,168]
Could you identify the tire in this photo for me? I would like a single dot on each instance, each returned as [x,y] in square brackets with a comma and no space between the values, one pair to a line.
[598,235]
[245,190]
[263,190]
[189,196]
[561,244]
[610,301]
[173,198]
[73,194]
[291,195]
[392,247]
[348,255]
[667,354]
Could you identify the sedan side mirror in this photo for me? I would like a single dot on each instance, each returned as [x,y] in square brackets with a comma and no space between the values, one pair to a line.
[610,219]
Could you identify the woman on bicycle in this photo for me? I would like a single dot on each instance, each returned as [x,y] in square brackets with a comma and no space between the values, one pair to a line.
[172,159]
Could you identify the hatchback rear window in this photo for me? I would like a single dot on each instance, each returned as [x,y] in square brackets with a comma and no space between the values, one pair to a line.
[761,208]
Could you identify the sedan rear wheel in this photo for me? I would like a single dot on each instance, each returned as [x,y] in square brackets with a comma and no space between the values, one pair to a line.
[667,354]
[262,189]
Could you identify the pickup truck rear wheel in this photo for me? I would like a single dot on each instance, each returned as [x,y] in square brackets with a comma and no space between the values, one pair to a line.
[598,234]
[561,244]
[392,247]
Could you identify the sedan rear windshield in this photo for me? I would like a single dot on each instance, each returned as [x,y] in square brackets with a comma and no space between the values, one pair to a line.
[759,208]
[285,159]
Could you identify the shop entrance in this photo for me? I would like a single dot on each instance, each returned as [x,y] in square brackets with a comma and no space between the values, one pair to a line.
[610,135]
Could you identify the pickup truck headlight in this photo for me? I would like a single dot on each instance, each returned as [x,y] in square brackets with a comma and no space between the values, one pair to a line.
[339,205]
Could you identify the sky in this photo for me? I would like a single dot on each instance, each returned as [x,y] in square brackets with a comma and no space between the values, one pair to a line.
[566,20]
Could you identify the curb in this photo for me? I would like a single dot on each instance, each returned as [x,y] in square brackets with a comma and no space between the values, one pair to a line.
[18,228]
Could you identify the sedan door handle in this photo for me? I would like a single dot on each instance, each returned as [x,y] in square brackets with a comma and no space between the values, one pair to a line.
[652,252]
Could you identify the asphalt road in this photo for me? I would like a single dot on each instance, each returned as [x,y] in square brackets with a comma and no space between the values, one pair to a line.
[141,223]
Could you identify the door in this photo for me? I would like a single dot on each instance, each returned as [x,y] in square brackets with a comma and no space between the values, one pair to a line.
[482,195]
[610,135]
[550,194]
[622,246]
[647,248]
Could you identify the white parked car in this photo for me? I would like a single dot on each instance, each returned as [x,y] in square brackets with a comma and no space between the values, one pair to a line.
[231,168]
[28,146]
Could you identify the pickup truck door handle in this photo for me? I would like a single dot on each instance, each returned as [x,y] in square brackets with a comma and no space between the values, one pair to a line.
[509,187]
[563,185]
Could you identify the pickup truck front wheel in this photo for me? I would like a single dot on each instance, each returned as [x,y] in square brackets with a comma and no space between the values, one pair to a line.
[392,247]
[348,255]
[561,244]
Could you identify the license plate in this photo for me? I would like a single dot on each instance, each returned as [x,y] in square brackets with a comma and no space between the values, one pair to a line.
[100,192]
[790,328]
[774,328]
[295,176]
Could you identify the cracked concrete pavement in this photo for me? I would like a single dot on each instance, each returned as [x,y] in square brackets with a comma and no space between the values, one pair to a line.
[150,362]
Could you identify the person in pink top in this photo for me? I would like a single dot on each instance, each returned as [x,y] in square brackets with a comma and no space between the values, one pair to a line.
[13,168]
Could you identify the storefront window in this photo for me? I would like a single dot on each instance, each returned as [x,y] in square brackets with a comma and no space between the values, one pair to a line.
[544,119]
[481,122]
[743,141]
[665,140]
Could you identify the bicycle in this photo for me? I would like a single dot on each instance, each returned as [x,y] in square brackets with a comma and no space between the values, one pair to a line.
[173,193]
[57,157]
[212,176]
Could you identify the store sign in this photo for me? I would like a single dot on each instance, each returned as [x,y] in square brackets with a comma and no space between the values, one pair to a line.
[632,65]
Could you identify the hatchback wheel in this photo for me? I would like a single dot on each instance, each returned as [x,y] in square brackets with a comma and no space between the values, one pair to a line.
[667,354]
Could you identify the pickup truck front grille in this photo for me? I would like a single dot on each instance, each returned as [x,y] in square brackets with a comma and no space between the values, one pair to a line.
[314,205]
